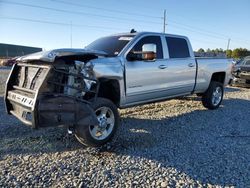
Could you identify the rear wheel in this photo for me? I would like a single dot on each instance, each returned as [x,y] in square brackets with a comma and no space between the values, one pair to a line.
[109,120]
[212,98]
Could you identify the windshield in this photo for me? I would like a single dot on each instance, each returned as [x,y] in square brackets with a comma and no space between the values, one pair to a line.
[112,45]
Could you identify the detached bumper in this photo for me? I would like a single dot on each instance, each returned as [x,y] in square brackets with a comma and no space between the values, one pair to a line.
[241,77]
[60,110]
[244,81]
[28,99]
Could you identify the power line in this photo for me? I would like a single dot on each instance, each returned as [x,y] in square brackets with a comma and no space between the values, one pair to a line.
[196,31]
[172,23]
[210,32]
[204,41]
[80,25]
[64,24]
[202,33]
[241,40]
[186,27]
[57,23]
[200,29]
[104,9]
[219,34]
[78,12]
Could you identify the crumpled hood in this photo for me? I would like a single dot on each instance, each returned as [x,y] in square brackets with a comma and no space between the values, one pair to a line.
[49,56]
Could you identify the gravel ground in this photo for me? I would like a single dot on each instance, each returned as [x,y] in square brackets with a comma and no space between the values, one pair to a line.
[176,143]
[4,72]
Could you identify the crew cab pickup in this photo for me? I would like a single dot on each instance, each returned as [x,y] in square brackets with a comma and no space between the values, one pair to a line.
[83,88]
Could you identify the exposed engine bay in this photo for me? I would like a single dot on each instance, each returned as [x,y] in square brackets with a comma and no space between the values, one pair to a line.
[73,78]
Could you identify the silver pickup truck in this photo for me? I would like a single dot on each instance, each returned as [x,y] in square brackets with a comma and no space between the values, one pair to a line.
[83,88]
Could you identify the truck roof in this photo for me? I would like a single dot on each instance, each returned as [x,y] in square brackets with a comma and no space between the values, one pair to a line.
[148,33]
[50,55]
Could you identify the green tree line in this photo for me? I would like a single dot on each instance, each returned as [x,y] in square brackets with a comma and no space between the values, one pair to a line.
[236,53]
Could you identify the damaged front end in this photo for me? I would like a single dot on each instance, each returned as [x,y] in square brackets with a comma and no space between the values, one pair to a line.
[44,93]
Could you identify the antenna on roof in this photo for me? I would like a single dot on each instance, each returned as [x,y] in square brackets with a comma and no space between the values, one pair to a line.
[132,31]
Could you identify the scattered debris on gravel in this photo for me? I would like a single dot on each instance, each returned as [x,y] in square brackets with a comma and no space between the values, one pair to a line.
[177,143]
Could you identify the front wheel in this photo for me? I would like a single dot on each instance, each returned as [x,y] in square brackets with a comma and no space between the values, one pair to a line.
[212,98]
[109,120]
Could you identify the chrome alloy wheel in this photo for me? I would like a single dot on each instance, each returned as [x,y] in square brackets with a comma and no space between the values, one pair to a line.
[106,119]
[217,96]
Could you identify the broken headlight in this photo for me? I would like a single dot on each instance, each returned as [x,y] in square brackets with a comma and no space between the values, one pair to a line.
[87,71]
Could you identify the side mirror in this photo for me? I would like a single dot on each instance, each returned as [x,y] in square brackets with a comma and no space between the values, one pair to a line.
[148,56]
[149,48]
[148,53]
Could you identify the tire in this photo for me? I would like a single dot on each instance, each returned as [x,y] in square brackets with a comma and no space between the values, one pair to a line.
[199,94]
[109,121]
[213,97]
[230,82]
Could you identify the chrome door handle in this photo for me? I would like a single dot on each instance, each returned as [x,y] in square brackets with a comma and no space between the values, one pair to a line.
[191,65]
[162,66]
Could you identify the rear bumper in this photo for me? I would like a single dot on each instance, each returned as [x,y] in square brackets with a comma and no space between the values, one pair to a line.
[36,107]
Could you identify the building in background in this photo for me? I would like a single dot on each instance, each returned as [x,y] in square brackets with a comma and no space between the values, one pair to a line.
[9,50]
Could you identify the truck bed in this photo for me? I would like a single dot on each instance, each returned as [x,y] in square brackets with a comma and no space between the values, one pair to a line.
[207,66]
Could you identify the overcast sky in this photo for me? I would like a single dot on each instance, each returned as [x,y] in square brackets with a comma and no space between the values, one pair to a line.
[50,23]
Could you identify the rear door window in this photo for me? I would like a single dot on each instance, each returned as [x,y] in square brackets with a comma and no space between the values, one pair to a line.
[177,47]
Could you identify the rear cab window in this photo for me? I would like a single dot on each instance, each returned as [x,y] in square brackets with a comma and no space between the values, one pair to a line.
[177,47]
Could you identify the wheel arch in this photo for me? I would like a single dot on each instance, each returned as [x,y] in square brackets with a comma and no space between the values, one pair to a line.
[218,77]
[110,89]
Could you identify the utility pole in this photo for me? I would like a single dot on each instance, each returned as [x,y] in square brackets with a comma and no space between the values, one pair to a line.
[228,43]
[71,34]
[164,21]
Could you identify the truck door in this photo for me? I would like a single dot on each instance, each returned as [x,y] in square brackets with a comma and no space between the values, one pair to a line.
[181,66]
[167,76]
[144,78]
